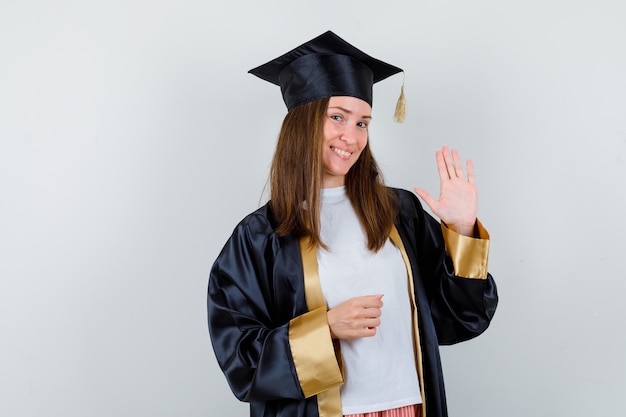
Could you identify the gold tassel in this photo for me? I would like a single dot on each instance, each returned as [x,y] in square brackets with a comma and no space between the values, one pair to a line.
[400,114]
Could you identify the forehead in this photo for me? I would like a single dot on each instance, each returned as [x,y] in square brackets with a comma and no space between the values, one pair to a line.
[351,104]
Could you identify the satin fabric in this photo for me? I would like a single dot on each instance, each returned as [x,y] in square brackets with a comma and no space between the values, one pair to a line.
[325,66]
[256,288]
[316,76]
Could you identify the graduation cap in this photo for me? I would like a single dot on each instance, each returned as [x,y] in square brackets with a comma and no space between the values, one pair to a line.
[327,66]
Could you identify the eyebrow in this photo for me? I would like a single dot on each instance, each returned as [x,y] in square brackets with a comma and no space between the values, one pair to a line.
[348,111]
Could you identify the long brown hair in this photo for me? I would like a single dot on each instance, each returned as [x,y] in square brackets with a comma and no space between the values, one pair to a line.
[296,179]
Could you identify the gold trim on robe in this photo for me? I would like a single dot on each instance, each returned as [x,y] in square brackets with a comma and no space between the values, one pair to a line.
[395,238]
[313,352]
[318,360]
[469,255]
[314,356]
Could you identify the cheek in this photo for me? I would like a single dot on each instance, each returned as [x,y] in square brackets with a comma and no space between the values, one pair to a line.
[329,131]
[363,141]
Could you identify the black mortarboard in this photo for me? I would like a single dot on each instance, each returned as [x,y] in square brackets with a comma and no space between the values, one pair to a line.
[324,67]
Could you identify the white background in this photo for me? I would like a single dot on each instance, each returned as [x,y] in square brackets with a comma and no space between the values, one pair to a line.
[132,141]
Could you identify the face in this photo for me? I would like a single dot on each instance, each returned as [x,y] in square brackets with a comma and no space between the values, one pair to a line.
[345,137]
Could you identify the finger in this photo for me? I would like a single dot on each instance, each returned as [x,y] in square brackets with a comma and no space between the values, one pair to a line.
[367,332]
[428,199]
[458,164]
[449,162]
[470,172]
[369,301]
[372,313]
[441,166]
[371,323]
[363,312]
[377,296]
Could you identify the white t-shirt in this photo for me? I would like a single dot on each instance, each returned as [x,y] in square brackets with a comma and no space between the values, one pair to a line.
[380,372]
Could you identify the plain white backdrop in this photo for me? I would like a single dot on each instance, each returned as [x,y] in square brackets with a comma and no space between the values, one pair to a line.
[132,140]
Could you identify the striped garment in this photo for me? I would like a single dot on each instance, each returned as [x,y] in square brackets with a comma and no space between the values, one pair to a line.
[406,411]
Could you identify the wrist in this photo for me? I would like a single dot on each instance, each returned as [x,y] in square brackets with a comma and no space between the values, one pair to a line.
[464,229]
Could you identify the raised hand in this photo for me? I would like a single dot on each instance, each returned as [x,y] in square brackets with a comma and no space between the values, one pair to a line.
[458,195]
[356,317]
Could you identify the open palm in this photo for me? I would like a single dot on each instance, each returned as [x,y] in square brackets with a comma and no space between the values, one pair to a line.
[458,195]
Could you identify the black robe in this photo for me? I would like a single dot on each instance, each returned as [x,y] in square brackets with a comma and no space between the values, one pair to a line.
[259,320]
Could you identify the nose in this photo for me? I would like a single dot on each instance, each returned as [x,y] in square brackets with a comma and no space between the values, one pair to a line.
[349,135]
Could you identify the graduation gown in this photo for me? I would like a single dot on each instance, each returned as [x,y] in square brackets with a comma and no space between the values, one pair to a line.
[268,323]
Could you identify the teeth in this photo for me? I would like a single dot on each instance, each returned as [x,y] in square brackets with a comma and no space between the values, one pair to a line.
[342,153]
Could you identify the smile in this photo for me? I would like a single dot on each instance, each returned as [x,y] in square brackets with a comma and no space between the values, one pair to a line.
[343,154]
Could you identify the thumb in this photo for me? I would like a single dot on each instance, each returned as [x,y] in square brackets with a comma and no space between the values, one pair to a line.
[428,199]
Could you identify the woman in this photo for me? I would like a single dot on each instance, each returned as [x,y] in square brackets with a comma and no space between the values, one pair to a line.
[295,302]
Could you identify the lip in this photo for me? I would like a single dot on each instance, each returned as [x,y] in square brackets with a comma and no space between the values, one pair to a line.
[342,153]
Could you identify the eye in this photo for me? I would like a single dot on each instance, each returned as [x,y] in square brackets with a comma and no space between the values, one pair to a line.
[362,125]
[336,117]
